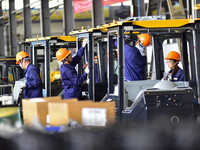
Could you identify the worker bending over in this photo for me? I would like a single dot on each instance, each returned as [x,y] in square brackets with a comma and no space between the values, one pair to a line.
[135,58]
[71,81]
[33,84]
[175,73]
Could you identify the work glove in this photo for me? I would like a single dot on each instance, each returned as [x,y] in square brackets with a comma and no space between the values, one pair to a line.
[168,76]
[85,41]
[87,81]
[87,70]
[141,49]
[20,91]
[23,85]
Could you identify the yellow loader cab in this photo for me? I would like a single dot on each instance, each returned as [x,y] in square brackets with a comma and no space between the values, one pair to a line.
[186,32]
[42,51]
[96,85]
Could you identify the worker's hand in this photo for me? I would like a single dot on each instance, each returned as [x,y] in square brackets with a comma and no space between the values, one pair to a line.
[85,41]
[87,81]
[87,70]
[20,91]
[23,85]
[167,76]
[141,49]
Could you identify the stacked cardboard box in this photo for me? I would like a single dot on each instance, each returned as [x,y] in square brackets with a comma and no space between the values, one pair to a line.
[36,109]
[59,112]
[84,112]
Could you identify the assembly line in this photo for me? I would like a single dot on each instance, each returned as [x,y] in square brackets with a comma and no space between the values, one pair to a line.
[115,83]
[133,83]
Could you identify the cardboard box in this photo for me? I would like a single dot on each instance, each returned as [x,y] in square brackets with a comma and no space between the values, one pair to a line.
[58,114]
[87,113]
[37,111]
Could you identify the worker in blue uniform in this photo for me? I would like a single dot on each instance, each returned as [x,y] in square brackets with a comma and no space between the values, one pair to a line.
[71,81]
[96,77]
[33,84]
[135,58]
[175,73]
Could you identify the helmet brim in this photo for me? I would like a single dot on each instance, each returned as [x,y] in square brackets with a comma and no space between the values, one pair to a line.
[171,59]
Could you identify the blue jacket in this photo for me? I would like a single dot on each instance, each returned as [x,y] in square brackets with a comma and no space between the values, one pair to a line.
[179,76]
[33,82]
[96,73]
[71,81]
[134,63]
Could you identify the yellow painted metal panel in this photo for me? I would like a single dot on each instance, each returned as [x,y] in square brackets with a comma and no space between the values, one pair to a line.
[67,38]
[64,38]
[196,7]
[86,30]
[55,75]
[114,24]
[4,112]
[174,23]
[163,23]
[3,59]
[38,39]
[153,23]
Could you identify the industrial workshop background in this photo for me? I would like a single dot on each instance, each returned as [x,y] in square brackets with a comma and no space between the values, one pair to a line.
[23,19]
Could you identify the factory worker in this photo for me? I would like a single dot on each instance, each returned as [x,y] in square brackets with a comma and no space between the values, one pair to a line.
[175,73]
[135,58]
[96,77]
[71,81]
[33,84]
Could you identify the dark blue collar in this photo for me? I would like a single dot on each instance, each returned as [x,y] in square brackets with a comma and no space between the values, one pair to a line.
[27,68]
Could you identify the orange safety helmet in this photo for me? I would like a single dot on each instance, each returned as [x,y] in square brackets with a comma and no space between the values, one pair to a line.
[62,53]
[20,56]
[145,39]
[173,55]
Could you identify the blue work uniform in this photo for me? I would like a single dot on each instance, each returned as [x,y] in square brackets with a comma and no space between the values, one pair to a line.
[33,82]
[134,63]
[179,76]
[71,81]
[96,77]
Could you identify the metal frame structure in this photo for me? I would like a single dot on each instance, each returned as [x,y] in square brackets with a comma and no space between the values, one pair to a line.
[46,43]
[5,63]
[160,31]
[89,54]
